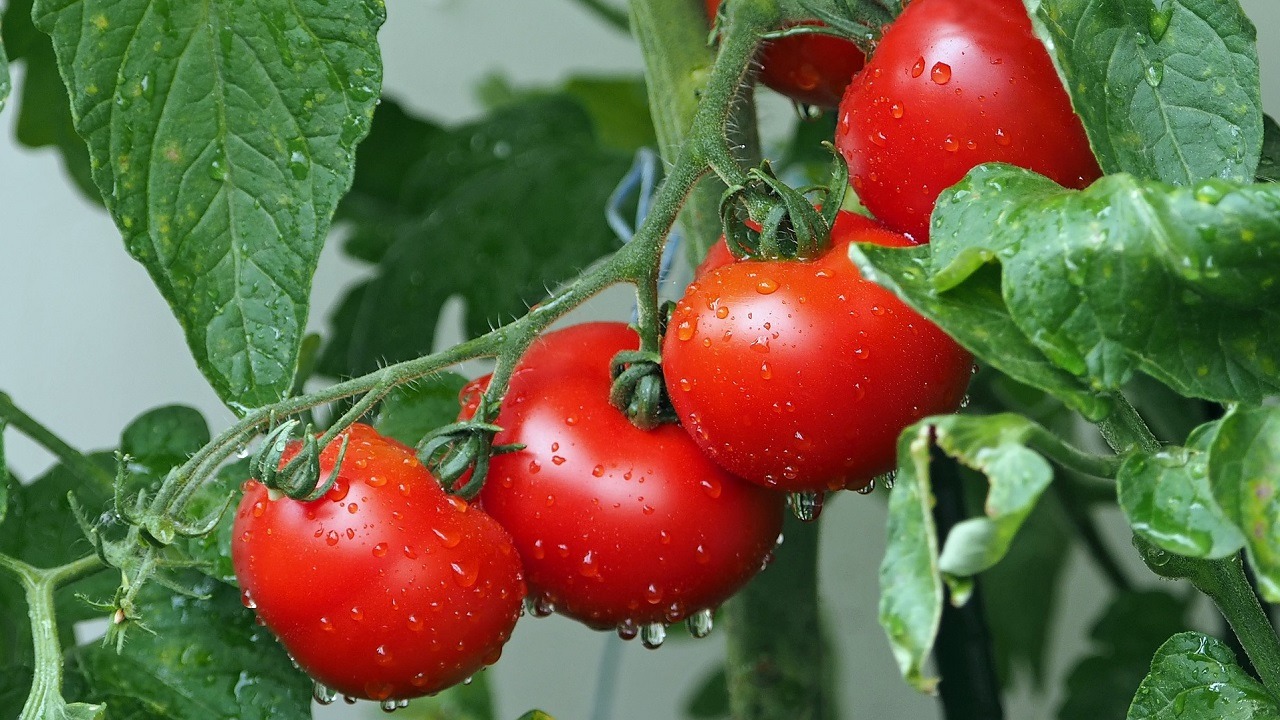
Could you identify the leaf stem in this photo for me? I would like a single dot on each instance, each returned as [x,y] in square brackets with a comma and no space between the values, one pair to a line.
[70,457]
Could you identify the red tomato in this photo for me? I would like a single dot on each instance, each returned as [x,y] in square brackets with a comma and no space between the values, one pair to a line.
[953,84]
[386,587]
[812,69]
[616,526]
[800,375]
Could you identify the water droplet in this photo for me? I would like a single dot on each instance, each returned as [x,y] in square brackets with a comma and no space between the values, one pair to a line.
[415,623]
[247,600]
[326,624]
[383,656]
[766,373]
[589,567]
[331,538]
[950,144]
[389,706]
[869,488]
[878,138]
[722,312]
[918,69]
[653,634]
[259,507]
[375,481]
[556,459]
[628,629]
[711,486]
[806,506]
[685,329]
[653,594]
[1155,73]
[597,471]
[323,694]
[888,479]
[380,550]
[701,555]
[465,572]
[699,623]
[540,606]
[357,614]
[766,286]
[941,73]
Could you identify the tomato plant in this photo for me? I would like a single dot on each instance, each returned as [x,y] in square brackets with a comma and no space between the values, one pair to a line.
[1080,197]
[954,84]
[617,527]
[385,587]
[813,68]
[800,375]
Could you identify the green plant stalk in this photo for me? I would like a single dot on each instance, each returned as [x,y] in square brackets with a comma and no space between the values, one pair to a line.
[672,35]
[779,664]
[1222,580]
[70,457]
[608,13]
[39,585]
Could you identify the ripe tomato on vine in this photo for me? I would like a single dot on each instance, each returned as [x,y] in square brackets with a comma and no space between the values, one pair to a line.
[951,85]
[617,527]
[385,587]
[799,376]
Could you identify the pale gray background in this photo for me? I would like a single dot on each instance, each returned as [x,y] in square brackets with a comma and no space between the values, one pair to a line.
[87,344]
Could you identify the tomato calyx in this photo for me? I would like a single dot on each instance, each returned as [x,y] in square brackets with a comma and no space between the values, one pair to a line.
[860,22]
[461,451]
[639,390]
[299,477]
[766,219]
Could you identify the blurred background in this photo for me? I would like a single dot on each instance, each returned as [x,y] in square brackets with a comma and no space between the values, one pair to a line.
[87,344]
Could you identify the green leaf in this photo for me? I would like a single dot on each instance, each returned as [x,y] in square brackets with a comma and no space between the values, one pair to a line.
[409,412]
[975,314]
[1167,499]
[222,135]
[165,437]
[44,110]
[1125,276]
[910,580]
[207,659]
[995,446]
[494,212]
[1269,166]
[1244,469]
[709,699]
[535,715]
[618,106]
[1125,637]
[1167,90]
[473,701]
[1195,677]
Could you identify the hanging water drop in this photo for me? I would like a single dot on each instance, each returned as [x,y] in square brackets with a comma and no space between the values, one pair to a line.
[653,634]
[323,694]
[389,705]
[699,623]
[628,629]
[806,506]
[868,488]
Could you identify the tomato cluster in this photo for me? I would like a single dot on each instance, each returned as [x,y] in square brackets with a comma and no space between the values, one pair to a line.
[787,376]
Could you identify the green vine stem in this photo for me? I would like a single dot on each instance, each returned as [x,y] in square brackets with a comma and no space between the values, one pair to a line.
[46,687]
[1222,580]
[611,15]
[73,459]
[779,662]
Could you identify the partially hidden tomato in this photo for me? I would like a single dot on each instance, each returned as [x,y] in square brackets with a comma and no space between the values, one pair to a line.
[617,527]
[812,69]
[953,84]
[384,588]
[799,376]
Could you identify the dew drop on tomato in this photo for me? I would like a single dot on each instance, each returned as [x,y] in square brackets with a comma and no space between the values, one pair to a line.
[941,73]
[380,550]
[465,573]
[918,69]
[897,110]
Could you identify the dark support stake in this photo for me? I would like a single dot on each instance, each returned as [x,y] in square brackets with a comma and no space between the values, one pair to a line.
[970,687]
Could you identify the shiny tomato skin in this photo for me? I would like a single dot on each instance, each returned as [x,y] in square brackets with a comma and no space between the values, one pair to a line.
[953,84]
[846,222]
[812,69]
[616,526]
[799,376]
[386,587]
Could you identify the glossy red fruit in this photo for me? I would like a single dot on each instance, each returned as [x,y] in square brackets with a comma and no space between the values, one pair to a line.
[617,527]
[953,84]
[386,587]
[812,69]
[799,376]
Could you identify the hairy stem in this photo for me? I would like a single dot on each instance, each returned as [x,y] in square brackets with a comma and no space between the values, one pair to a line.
[70,457]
